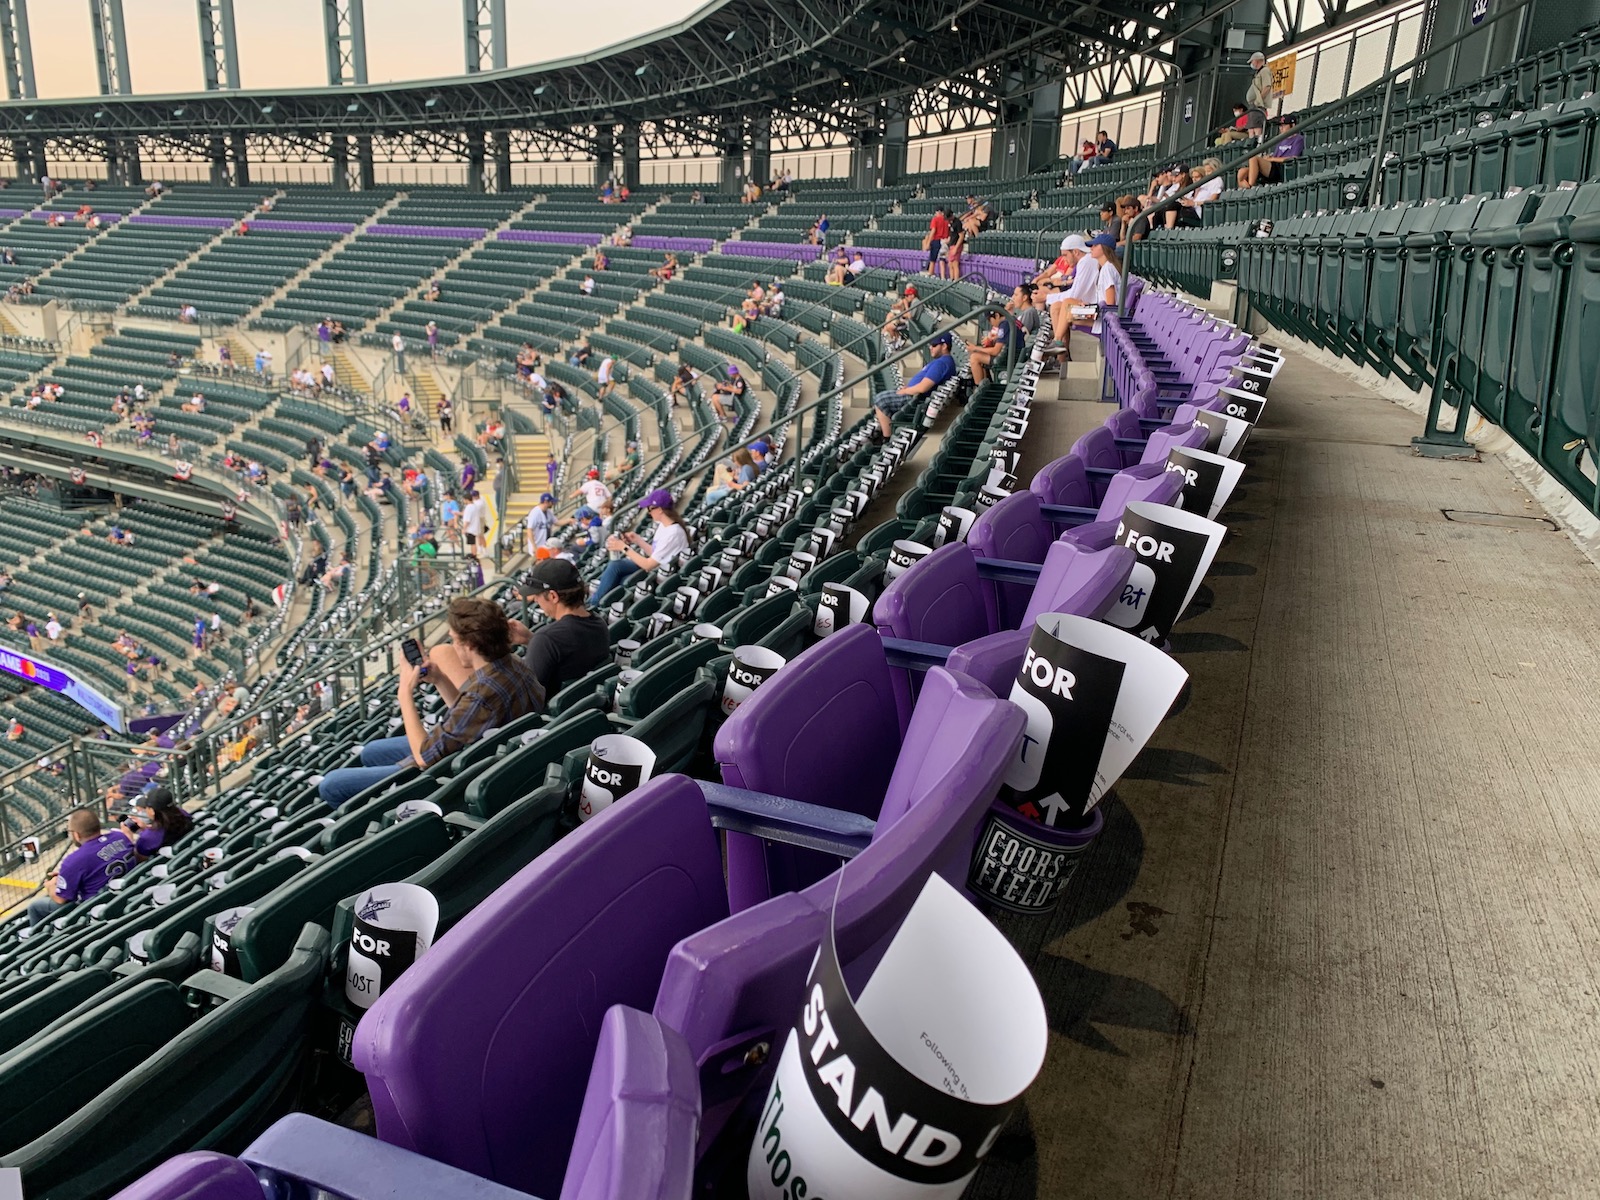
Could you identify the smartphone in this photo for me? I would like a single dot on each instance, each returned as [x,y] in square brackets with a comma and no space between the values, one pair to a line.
[412,649]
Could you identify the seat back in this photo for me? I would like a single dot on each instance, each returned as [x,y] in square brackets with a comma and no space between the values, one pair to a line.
[1063,481]
[823,730]
[1014,528]
[734,985]
[937,599]
[1098,448]
[1080,581]
[522,770]
[1163,440]
[479,1053]
[1158,486]
[641,1114]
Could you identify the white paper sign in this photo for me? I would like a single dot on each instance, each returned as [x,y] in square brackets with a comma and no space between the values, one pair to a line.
[1208,479]
[837,607]
[394,926]
[624,652]
[223,958]
[617,765]
[751,667]
[1093,695]
[1224,434]
[954,525]
[904,555]
[1173,551]
[898,1094]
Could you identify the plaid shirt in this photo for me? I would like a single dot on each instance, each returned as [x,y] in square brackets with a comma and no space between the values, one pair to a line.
[494,696]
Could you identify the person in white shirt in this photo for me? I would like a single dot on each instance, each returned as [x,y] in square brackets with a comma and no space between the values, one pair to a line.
[52,628]
[475,522]
[1108,276]
[399,344]
[594,492]
[608,366]
[667,547]
[1186,213]
[537,525]
[587,285]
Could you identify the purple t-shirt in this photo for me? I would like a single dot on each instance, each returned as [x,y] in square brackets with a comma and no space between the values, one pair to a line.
[150,840]
[1292,146]
[89,869]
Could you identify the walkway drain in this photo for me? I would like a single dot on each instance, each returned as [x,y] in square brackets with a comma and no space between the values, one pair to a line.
[1465,516]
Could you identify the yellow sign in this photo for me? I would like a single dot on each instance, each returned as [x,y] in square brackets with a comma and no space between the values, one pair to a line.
[1283,73]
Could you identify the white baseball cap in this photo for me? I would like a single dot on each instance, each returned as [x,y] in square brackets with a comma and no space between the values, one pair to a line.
[1258,56]
[1074,241]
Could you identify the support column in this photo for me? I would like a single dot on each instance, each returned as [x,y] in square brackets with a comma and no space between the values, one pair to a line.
[605,154]
[761,148]
[217,151]
[241,159]
[110,47]
[339,156]
[896,139]
[16,46]
[219,48]
[731,148]
[1028,135]
[344,31]
[630,155]
[500,144]
[367,175]
[477,160]
[866,156]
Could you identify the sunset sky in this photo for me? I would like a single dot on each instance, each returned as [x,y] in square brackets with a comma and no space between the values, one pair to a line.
[280,41]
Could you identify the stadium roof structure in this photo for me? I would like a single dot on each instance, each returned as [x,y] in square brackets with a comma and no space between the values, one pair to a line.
[815,68]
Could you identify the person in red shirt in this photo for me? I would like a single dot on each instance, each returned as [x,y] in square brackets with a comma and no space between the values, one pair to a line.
[938,231]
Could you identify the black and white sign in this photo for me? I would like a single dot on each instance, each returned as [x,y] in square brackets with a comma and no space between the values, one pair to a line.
[223,956]
[617,765]
[820,544]
[988,497]
[1224,434]
[799,563]
[1093,695]
[954,525]
[413,808]
[838,606]
[1208,479]
[1245,405]
[900,1093]
[1174,550]
[624,652]
[903,555]
[393,926]
[707,632]
[1017,867]
[683,602]
[781,583]
[751,667]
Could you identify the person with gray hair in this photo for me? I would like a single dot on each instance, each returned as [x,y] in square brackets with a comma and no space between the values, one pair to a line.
[1259,95]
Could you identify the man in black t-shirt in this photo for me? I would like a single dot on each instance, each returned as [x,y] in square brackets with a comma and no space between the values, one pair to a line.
[573,641]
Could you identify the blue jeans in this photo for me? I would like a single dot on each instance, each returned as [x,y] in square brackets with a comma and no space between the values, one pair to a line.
[618,571]
[379,760]
[44,909]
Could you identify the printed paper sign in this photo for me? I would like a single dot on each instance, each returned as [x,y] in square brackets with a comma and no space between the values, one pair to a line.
[707,632]
[751,667]
[800,562]
[624,652]
[394,925]
[1224,434]
[1245,405]
[837,607]
[223,956]
[1093,695]
[900,1093]
[1208,479]
[1014,867]
[903,555]
[415,808]
[683,603]
[617,765]
[1173,549]
[988,497]
[954,525]
[1252,380]
[821,543]
[780,584]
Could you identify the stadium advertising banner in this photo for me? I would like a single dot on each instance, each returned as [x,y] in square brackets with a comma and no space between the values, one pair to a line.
[57,679]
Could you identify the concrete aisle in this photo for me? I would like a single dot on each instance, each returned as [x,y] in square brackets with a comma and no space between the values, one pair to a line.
[1339,939]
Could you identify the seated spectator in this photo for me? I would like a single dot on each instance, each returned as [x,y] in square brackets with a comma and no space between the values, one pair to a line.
[992,345]
[572,642]
[195,403]
[16,732]
[159,821]
[601,262]
[940,368]
[1085,156]
[1236,130]
[683,384]
[88,868]
[587,286]
[1186,212]
[856,269]
[667,269]
[496,688]
[735,478]
[733,387]
[1267,168]
[818,236]
[978,217]
[670,543]
[749,312]
[581,355]
[1127,213]
[773,305]
[839,270]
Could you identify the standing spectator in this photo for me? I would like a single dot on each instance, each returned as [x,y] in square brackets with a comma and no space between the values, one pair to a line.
[496,688]
[88,868]
[938,231]
[447,415]
[324,337]
[35,638]
[432,332]
[606,376]
[83,606]
[199,632]
[216,625]
[475,521]
[537,524]
[450,519]
[398,344]
[263,366]
[819,231]
[552,469]
[313,451]
[52,630]
[1259,95]
[594,492]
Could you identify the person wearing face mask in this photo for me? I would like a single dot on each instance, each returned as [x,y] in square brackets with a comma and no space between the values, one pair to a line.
[159,821]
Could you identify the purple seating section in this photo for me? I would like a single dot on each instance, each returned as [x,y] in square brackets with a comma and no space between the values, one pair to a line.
[1191,350]
[202,1175]
[460,233]
[276,224]
[190,222]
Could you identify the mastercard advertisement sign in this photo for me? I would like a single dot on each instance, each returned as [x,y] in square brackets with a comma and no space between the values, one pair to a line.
[100,706]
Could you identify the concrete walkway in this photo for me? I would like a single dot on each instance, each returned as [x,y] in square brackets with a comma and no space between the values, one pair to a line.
[1339,939]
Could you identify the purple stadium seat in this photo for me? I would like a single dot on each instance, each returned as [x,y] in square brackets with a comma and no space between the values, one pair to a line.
[479,1053]
[734,986]
[198,1176]
[635,1138]
[1150,482]
[1063,481]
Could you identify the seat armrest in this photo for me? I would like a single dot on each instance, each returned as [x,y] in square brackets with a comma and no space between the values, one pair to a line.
[352,1166]
[459,824]
[1101,472]
[1005,570]
[791,822]
[914,656]
[215,986]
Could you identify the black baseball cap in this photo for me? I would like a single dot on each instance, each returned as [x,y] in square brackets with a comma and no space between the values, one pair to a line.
[550,575]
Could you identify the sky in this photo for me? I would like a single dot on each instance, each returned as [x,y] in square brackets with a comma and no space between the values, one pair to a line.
[280,41]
